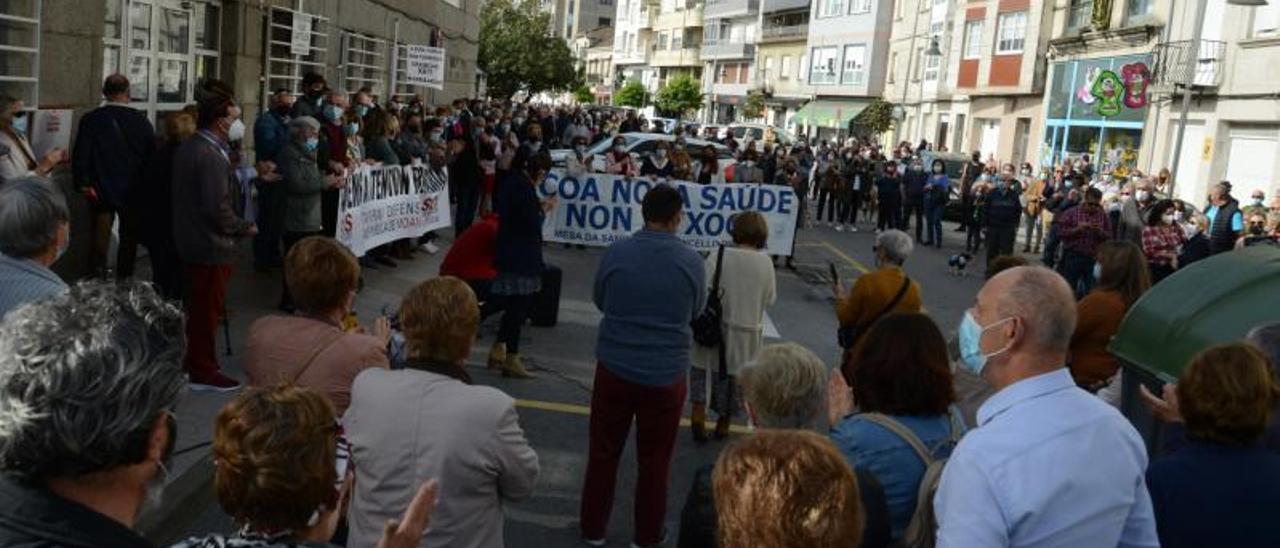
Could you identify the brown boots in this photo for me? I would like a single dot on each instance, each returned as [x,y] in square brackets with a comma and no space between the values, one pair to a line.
[698,422]
[509,364]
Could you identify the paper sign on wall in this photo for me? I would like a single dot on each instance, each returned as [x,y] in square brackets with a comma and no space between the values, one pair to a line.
[424,66]
[300,39]
[50,129]
[1206,150]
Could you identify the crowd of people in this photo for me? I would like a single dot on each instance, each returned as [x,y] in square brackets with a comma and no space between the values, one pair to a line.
[378,435]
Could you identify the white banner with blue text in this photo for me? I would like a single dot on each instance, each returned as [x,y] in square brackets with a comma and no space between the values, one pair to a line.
[386,203]
[597,210]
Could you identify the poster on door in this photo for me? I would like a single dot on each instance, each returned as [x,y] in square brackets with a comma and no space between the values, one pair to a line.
[49,130]
[424,66]
[300,38]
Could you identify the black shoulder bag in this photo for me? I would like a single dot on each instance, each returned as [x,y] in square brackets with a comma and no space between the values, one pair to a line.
[847,335]
[707,330]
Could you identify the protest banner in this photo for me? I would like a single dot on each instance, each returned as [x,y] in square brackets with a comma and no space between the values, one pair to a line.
[598,210]
[424,66]
[384,204]
[300,34]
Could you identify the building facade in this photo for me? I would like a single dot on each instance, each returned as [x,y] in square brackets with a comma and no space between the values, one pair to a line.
[594,51]
[677,39]
[574,18]
[728,55]
[632,38]
[782,44]
[846,62]
[1117,80]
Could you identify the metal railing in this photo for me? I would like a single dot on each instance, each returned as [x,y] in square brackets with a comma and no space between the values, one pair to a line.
[1170,62]
[787,31]
[1080,16]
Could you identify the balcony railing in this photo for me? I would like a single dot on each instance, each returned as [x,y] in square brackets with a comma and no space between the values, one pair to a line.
[784,32]
[1170,62]
[1080,15]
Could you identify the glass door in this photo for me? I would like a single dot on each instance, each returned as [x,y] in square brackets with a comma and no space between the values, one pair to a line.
[164,47]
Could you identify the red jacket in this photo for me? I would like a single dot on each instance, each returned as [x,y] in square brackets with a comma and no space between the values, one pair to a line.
[471,255]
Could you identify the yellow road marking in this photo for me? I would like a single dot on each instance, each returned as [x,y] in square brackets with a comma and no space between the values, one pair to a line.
[571,409]
[836,251]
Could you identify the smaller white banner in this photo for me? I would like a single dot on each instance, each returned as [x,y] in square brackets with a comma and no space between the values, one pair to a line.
[300,38]
[424,66]
[386,203]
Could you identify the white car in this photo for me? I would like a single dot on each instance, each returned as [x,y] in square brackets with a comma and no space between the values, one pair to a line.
[641,145]
[746,133]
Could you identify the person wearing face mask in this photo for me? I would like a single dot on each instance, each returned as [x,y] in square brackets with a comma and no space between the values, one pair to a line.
[1087,460]
[1081,230]
[35,226]
[303,183]
[706,170]
[748,171]
[207,230]
[1122,276]
[937,192]
[1257,205]
[1255,232]
[270,134]
[1226,222]
[465,176]
[1134,210]
[658,165]
[1162,239]
[968,177]
[886,291]
[913,193]
[578,162]
[1033,198]
[888,195]
[312,100]
[410,145]
[333,154]
[618,161]
[1001,214]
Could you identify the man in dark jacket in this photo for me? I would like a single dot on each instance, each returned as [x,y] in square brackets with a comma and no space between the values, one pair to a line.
[1003,211]
[913,191]
[332,155]
[1226,223]
[206,230]
[269,136]
[313,90]
[113,144]
[972,171]
[87,450]
[889,198]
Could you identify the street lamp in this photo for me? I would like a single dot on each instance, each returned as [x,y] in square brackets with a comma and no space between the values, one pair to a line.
[1190,80]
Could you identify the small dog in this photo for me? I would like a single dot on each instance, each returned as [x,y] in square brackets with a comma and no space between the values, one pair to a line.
[958,263]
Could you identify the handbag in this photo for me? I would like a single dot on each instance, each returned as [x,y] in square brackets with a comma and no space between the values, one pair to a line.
[707,328]
[847,335]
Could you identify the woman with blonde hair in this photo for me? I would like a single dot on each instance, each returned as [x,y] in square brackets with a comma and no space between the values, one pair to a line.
[1122,276]
[155,196]
[747,287]
[281,473]
[428,420]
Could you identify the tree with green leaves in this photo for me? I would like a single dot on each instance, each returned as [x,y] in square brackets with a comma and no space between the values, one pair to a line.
[877,118]
[518,52]
[583,95]
[632,95]
[681,95]
[754,107]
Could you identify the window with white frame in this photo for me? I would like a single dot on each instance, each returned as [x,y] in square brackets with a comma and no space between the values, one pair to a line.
[1011,33]
[677,40]
[768,68]
[165,48]
[859,6]
[931,65]
[822,67]
[285,69]
[1138,8]
[855,58]
[364,63]
[662,41]
[972,39]
[830,8]
[1266,20]
[785,70]
[20,51]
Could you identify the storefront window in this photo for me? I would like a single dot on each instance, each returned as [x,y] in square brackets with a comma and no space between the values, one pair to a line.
[1060,92]
[1076,124]
[1120,150]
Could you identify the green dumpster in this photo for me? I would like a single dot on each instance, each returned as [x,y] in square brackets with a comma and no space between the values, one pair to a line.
[1212,301]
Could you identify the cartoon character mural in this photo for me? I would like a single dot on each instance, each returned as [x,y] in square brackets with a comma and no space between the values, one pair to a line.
[1136,77]
[1085,93]
[1107,89]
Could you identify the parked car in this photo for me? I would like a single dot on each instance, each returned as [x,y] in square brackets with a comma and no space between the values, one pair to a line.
[665,125]
[745,133]
[640,145]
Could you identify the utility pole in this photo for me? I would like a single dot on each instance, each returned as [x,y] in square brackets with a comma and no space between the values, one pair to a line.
[1193,58]
[915,28]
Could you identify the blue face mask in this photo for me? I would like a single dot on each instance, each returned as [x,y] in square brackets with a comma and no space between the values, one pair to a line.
[352,128]
[333,113]
[971,355]
[312,144]
[362,110]
[20,124]
[1097,271]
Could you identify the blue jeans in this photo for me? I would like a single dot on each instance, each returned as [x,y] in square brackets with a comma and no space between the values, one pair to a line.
[1077,268]
[933,222]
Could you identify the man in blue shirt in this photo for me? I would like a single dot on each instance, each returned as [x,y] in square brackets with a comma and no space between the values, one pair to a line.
[34,230]
[649,287]
[270,135]
[1226,223]
[1049,465]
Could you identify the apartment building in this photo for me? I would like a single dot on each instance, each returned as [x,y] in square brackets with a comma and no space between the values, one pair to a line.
[846,62]
[573,18]
[780,47]
[922,73]
[594,52]
[632,43]
[677,39]
[728,55]
[1117,80]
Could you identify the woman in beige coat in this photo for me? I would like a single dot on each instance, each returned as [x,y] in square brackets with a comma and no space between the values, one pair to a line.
[747,287]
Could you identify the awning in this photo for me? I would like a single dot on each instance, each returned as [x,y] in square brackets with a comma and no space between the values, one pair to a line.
[830,113]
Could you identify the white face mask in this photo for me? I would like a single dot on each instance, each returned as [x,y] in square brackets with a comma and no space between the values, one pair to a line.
[236,131]
[1144,195]
[1168,218]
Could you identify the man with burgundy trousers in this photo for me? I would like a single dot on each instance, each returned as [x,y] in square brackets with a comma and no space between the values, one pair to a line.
[649,287]
[206,230]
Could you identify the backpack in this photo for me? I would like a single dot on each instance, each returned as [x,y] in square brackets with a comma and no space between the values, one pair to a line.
[922,530]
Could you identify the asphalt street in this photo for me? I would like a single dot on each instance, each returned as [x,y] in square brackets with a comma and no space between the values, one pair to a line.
[553,407]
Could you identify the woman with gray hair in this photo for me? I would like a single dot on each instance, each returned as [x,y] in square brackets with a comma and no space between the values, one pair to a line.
[785,388]
[303,183]
[17,159]
[88,382]
[887,290]
[34,231]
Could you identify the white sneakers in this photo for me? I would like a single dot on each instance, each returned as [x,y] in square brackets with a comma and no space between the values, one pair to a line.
[430,248]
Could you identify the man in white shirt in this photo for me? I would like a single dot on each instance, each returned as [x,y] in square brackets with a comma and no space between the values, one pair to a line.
[1049,465]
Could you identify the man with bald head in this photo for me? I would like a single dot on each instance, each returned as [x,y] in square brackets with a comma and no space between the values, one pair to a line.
[1049,465]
